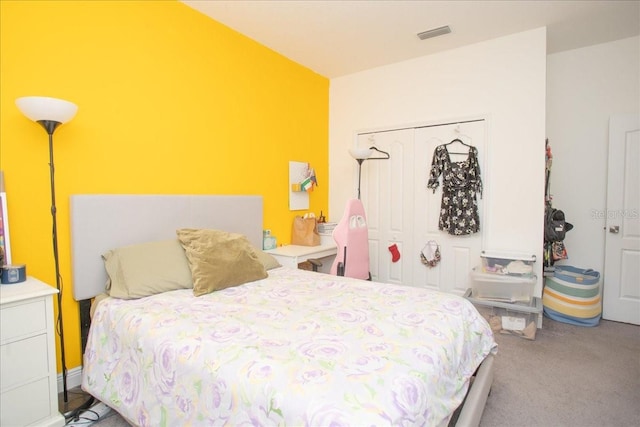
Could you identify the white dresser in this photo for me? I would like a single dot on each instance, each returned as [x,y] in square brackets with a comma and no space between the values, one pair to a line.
[28,378]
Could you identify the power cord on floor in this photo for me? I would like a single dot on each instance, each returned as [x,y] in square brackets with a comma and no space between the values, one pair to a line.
[74,414]
[84,420]
[88,416]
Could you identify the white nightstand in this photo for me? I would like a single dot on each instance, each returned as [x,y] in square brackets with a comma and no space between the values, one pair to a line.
[292,255]
[28,378]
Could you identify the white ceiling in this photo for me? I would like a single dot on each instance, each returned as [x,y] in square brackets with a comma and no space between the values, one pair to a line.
[336,38]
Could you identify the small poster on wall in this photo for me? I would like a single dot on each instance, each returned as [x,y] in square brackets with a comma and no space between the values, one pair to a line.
[5,249]
[298,196]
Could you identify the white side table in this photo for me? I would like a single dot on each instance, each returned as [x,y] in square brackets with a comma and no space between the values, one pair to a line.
[28,378]
[292,255]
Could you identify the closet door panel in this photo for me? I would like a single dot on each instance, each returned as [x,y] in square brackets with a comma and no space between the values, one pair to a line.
[399,215]
[374,257]
[370,189]
[426,208]
[387,190]
[460,267]
[459,254]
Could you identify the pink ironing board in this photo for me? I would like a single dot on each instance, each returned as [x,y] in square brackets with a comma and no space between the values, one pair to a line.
[352,238]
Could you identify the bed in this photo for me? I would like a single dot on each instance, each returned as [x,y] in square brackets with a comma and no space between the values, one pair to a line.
[292,347]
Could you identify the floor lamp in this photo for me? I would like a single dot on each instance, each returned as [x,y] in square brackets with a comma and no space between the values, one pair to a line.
[51,113]
[362,154]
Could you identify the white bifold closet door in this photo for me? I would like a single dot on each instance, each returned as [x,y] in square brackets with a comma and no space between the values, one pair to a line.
[401,210]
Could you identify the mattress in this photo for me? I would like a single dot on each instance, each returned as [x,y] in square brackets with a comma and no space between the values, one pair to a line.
[296,348]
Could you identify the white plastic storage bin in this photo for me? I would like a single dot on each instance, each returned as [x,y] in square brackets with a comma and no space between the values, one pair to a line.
[514,320]
[511,263]
[499,287]
[531,310]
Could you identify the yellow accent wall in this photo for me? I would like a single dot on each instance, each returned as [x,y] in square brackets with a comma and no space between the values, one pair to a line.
[170,102]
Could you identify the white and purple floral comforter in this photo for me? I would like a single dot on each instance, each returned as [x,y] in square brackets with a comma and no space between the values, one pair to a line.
[295,349]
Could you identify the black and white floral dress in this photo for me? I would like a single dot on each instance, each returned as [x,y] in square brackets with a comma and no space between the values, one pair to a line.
[460,183]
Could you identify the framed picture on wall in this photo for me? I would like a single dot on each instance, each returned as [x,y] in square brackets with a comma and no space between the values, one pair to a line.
[5,247]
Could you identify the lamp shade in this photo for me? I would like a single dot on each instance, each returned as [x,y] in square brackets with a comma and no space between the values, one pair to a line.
[43,108]
[360,153]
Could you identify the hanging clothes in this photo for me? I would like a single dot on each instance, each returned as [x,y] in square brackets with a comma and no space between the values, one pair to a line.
[460,183]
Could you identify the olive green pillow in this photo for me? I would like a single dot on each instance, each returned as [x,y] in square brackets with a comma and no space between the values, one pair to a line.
[219,259]
[146,269]
[268,261]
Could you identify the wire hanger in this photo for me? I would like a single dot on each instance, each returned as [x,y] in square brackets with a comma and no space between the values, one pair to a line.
[373,147]
[457,139]
[384,153]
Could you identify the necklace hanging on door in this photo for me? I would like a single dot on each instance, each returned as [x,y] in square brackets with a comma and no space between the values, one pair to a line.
[430,254]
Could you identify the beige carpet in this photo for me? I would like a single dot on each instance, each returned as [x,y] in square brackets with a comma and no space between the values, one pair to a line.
[568,376]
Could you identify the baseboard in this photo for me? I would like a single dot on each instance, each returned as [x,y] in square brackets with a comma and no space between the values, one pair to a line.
[74,379]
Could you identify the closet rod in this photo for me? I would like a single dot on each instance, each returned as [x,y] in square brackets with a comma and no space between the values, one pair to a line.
[422,127]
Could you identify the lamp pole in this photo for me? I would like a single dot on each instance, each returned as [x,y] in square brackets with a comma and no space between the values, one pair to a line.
[50,126]
[51,113]
[359,174]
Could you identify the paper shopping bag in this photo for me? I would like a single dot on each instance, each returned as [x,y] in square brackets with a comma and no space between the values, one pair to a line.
[305,231]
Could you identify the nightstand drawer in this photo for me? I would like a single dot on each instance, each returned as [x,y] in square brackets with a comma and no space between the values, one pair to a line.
[23,319]
[26,405]
[23,361]
[28,380]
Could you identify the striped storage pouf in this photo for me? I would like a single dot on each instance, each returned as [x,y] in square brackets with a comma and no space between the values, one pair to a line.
[573,296]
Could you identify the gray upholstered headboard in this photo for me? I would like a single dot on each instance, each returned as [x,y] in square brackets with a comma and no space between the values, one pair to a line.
[103,222]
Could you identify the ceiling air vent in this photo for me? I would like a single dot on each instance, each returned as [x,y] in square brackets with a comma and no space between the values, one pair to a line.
[435,32]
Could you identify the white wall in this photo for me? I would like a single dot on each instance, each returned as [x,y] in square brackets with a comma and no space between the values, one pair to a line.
[585,87]
[501,79]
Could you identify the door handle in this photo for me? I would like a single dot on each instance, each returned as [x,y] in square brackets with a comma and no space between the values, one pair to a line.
[614,229]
